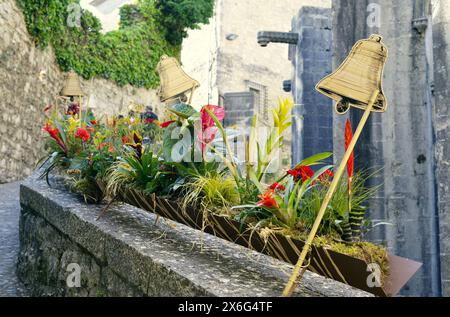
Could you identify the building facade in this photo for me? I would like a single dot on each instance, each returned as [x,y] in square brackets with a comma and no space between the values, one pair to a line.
[233,69]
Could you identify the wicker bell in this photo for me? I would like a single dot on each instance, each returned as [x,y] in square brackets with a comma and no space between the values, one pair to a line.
[72,87]
[354,82]
[175,83]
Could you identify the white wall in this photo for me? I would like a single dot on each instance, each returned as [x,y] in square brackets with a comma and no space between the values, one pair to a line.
[110,20]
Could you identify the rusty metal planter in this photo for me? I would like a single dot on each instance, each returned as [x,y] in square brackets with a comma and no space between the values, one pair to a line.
[328,263]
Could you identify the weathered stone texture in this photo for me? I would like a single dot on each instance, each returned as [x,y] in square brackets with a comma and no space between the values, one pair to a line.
[312,129]
[9,240]
[401,140]
[441,45]
[29,80]
[128,253]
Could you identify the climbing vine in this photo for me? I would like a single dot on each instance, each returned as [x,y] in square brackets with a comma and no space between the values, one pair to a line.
[128,55]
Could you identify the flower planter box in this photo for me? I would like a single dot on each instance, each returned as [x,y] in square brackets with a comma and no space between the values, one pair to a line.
[325,262]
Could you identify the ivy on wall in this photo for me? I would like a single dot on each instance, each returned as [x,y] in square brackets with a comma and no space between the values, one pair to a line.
[128,55]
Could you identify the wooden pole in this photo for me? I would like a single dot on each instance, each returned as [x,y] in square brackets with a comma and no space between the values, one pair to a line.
[293,280]
[79,111]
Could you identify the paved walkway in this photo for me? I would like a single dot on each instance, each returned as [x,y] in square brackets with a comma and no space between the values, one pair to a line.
[9,240]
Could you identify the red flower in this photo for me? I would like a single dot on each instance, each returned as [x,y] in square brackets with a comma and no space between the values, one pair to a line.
[166,124]
[126,139]
[93,122]
[303,172]
[326,175]
[82,134]
[54,134]
[348,136]
[267,200]
[148,121]
[276,186]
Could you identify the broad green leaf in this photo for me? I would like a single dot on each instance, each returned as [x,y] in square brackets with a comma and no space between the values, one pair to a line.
[315,159]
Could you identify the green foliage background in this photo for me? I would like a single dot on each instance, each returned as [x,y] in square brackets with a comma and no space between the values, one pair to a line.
[128,55]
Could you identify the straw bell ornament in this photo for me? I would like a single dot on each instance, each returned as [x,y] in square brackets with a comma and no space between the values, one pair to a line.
[361,73]
[175,83]
[72,90]
[72,87]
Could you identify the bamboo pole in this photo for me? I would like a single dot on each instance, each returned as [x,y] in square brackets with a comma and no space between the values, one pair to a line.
[80,115]
[293,280]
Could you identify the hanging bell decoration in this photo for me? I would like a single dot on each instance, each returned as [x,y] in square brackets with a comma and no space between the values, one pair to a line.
[72,90]
[361,73]
[72,87]
[356,83]
[174,82]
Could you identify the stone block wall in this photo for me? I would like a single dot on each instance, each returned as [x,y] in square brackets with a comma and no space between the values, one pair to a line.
[441,118]
[128,252]
[312,129]
[30,79]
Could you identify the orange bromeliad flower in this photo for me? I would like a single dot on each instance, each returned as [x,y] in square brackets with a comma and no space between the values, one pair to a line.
[267,200]
[54,134]
[348,136]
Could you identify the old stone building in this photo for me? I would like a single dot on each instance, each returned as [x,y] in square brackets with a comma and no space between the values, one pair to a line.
[233,69]
[409,143]
[30,79]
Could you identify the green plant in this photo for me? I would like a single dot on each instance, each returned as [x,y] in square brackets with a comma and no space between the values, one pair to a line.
[336,221]
[130,14]
[176,16]
[214,191]
[282,203]
[249,181]
[64,142]
[127,56]
[266,152]
[139,167]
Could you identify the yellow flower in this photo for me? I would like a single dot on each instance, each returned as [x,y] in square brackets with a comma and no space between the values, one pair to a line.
[73,124]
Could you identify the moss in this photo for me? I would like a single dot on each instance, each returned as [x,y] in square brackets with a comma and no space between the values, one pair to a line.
[363,250]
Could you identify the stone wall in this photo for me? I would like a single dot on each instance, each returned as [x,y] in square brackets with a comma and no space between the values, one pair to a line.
[441,118]
[128,252]
[29,80]
[312,129]
[399,141]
